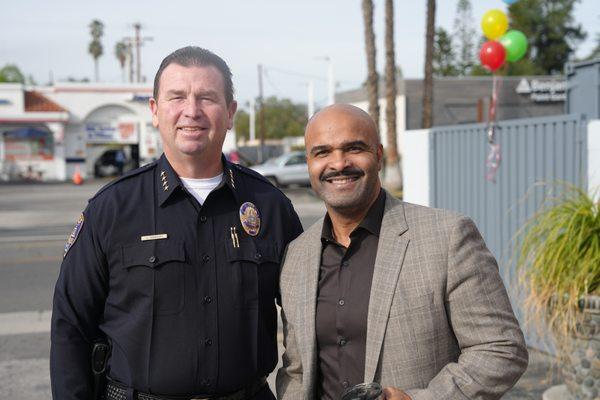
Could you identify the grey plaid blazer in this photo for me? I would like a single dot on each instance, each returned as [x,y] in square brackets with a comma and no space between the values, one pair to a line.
[440,324]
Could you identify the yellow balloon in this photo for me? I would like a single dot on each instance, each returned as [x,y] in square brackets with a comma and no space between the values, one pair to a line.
[494,24]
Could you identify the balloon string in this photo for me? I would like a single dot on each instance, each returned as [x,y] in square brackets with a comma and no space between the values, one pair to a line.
[494,157]
[493,104]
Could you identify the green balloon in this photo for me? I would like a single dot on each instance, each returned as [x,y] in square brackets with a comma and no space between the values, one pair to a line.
[515,44]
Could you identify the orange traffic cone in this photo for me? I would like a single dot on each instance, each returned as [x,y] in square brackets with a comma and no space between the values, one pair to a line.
[77,179]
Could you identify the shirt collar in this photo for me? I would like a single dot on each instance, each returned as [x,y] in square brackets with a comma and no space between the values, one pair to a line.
[168,180]
[371,222]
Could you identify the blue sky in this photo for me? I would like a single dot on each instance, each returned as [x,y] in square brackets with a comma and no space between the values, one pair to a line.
[43,36]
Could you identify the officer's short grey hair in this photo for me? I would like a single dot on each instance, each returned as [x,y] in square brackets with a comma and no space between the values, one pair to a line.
[196,56]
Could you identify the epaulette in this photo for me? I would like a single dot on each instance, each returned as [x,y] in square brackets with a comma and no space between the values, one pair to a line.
[252,173]
[125,176]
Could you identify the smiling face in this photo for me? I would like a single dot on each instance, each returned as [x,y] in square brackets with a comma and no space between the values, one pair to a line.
[191,113]
[344,158]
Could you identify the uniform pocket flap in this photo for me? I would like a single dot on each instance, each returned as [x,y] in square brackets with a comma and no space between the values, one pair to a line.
[152,254]
[252,251]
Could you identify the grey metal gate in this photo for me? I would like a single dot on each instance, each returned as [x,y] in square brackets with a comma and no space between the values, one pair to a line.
[533,151]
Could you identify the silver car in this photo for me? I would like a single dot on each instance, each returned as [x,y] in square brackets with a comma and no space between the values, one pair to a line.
[287,169]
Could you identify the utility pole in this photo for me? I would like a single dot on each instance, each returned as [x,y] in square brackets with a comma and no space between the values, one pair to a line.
[261,116]
[330,79]
[137,41]
[137,26]
[330,82]
[129,57]
[252,120]
[311,99]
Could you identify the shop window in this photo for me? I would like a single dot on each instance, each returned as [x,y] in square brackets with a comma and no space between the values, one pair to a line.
[28,144]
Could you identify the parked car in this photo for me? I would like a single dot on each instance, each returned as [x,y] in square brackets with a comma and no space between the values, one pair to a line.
[112,162]
[287,169]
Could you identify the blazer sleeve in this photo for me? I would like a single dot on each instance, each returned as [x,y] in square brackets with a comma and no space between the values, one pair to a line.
[289,376]
[493,354]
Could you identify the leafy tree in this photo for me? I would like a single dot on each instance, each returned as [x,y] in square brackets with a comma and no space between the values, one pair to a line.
[444,58]
[464,33]
[596,51]
[428,80]
[11,73]
[552,33]
[95,48]
[372,82]
[282,118]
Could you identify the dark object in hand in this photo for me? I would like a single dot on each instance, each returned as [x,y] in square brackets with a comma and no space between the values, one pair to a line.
[363,391]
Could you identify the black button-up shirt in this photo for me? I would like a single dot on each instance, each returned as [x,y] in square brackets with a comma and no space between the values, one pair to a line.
[343,302]
[184,295]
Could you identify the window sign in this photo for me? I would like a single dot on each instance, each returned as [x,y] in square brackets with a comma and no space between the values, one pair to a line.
[125,132]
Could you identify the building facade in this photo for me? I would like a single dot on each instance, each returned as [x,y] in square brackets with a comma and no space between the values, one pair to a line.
[463,100]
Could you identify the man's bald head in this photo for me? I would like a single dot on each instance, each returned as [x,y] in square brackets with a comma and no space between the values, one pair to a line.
[344,157]
[339,113]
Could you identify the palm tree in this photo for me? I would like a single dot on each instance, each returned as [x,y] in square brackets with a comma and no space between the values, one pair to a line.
[372,77]
[95,47]
[121,54]
[393,172]
[428,81]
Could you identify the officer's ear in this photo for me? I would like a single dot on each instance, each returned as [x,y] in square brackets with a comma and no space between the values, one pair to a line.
[231,109]
[154,110]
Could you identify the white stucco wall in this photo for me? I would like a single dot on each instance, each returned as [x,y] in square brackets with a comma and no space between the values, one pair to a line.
[416,167]
[593,146]
[14,95]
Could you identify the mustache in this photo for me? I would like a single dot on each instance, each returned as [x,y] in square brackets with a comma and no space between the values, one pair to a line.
[349,172]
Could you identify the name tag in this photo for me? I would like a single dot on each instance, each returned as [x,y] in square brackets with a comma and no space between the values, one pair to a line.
[154,237]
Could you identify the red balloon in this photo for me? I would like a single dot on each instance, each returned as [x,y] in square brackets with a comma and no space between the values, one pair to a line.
[492,55]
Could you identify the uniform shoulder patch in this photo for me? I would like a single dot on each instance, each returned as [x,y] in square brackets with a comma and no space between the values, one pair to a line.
[74,234]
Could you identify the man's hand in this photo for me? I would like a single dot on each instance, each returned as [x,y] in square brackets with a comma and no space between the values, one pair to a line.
[392,393]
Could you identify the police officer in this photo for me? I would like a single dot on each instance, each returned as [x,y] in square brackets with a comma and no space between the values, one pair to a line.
[176,264]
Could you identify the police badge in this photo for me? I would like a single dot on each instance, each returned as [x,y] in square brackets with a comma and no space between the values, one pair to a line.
[74,234]
[250,218]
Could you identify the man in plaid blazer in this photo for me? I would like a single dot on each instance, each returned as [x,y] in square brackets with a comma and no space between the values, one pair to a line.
[386,291]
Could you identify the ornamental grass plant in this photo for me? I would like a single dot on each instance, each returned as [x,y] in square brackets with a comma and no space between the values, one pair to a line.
[559,261]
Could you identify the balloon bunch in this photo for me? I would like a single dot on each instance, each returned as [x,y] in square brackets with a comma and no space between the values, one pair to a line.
[502,45]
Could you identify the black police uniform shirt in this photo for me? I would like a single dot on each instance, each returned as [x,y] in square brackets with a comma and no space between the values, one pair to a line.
[184,295]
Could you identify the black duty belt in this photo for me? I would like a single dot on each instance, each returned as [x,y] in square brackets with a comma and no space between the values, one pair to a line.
[116,391]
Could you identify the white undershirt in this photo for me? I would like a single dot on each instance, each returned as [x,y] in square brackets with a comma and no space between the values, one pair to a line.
[200,188]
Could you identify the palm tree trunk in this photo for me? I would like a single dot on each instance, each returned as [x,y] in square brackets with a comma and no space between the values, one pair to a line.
[393,172]
[428,81]
[96,72]
[372,77]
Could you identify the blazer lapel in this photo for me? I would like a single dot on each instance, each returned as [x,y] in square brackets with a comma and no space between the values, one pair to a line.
[388,263]
[313,262]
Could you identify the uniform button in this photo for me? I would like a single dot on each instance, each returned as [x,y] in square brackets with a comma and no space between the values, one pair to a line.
[345,263]
[341,302]
[342,342]
[152,259]
[208,342]
[207,299]
[206,258]
[258,256]
[345,384]
[203,218]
